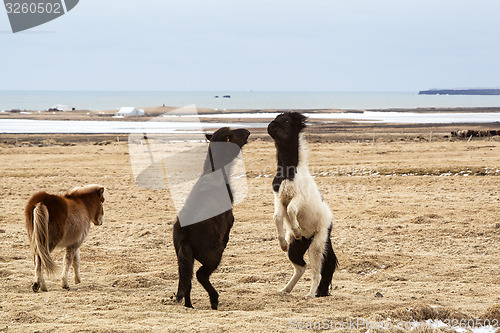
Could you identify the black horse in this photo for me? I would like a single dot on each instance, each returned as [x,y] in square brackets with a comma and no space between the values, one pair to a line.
[206,238]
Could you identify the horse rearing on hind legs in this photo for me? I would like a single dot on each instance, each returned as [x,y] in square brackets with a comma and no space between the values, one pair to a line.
[201,237]
[61,221]
[298,204]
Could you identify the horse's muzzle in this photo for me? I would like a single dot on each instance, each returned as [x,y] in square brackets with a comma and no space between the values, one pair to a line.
[272,128]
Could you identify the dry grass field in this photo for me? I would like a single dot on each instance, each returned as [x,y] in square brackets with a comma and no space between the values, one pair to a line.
[415,222]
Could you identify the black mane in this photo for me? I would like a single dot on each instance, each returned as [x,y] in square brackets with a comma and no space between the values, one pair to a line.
[285,129]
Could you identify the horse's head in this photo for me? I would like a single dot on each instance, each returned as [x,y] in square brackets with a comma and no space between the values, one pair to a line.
[286,127]
[92,196]
[225,134]
[99,217]
[225,146]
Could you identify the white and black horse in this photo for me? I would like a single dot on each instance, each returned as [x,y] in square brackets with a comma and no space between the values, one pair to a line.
[300,208]
[205,241]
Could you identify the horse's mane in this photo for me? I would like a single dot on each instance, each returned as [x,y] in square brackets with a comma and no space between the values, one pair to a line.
[82,190]
[303,150]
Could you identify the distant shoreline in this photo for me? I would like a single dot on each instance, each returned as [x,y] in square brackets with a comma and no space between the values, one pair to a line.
[320,128]
[152,112]
[460,92]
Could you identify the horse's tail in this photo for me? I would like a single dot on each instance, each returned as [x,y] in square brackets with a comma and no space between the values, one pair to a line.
[330,264]
[185,259]
[39,241]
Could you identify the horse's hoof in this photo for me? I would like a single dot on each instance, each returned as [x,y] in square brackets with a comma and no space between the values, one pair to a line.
[309,296]
[35,286]
[214,300]
[322,294]
[283,244]
[297,233]
[65,287]
[284,291]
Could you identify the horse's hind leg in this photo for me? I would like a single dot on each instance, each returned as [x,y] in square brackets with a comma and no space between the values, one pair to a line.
[296,251]
[67,261]
[185,259]
[39,283]
[203,276]
[76,266]
[330,263]
[316,256]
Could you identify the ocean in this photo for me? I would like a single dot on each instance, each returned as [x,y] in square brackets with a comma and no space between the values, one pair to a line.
[112,100]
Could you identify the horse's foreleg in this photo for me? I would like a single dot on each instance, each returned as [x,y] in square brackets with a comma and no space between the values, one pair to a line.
[67,261]
[292,211]
[39,283]
[279,218]
[76,266]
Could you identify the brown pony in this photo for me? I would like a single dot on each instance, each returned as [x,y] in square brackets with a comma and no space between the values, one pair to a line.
[62,221]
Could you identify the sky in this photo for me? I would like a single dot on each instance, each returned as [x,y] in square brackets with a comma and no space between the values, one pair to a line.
[261,45]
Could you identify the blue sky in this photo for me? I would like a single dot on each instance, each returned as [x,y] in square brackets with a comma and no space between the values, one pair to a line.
[274,45]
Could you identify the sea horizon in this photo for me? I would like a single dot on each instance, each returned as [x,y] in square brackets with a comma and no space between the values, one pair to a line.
[100,100]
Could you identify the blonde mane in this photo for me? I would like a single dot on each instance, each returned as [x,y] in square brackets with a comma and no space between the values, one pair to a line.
[83,190]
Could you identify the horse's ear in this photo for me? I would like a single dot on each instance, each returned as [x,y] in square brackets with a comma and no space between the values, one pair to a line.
[300,118]
[208,136]
[101,193]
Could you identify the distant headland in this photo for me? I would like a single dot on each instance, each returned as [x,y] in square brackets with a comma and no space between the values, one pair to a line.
[460,92]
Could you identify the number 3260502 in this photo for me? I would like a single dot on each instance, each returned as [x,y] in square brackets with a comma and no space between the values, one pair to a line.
[33,8]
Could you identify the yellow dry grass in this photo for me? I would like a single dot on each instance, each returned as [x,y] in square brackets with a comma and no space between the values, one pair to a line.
[427,240]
